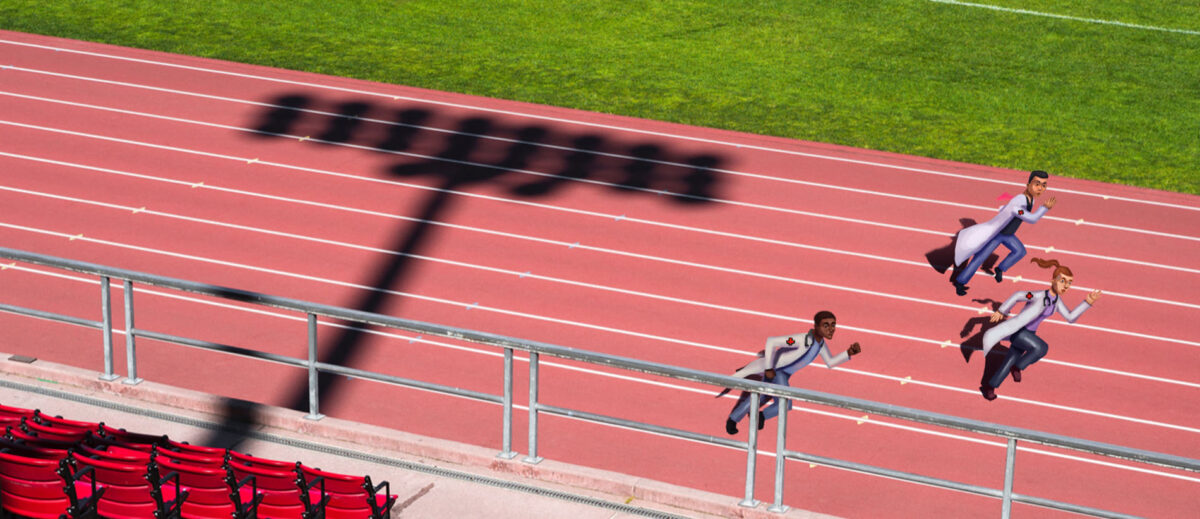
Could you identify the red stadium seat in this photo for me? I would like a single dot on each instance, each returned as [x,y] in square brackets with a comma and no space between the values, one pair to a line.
[339,496]
[255,461]
[279,493]
[15,412]
[129,493]
[114,453]
[131,439]
[33,440]
[201,450]
[211,492]
[39,488]
[191,458]
[54,432]
[58,421]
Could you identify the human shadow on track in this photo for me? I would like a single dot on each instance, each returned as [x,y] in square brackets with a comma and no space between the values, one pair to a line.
[450,154]
[974,343]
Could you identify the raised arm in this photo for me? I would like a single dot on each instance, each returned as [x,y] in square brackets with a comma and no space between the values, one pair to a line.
[831,360]
[1018,211]
[1072,315]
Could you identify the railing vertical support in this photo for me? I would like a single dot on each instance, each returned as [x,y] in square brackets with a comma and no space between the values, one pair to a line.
[313,389]
[780,455]
[533,458]
[1008,477]
[506,432]
[130,349]
[106,316]
[751,453]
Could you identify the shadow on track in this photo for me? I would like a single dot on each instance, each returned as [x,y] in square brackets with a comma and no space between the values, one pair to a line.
[526,161]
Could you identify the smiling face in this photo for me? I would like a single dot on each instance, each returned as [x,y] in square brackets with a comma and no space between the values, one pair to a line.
[1035,187]
[1061,284]
[826,328]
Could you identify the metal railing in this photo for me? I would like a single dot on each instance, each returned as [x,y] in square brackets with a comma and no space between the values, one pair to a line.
[538,349]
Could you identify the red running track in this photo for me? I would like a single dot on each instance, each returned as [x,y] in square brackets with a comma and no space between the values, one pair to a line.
[638,238]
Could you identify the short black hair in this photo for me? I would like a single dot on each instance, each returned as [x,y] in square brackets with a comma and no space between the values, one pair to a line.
[1037,173]
[821,316]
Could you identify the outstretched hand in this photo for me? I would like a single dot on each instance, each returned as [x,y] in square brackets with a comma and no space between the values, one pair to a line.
[1050,203]
[1092,297]
[996,317]
[854,349]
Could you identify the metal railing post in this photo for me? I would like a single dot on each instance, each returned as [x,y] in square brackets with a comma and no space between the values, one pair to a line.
[313,408]
[780,455]
[130,350]
[533,458]
[506,432]
[1010,461]
[751,453]
[106,331]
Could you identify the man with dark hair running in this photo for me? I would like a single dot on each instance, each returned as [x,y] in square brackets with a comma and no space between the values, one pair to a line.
[978,241]
[783,356]
[1025,347]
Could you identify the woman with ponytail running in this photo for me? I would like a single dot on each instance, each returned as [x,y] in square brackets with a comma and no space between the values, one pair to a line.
[1025,347]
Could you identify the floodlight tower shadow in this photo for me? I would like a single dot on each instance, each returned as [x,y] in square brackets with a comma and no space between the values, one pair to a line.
[643,174]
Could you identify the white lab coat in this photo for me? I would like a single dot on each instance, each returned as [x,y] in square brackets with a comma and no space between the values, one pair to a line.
[973,238]
[778,349]
[1033,307]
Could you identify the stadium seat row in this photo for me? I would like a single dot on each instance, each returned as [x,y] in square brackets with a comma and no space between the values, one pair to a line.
[52,467]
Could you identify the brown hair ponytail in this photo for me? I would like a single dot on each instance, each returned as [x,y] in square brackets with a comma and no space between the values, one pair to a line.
[1058,269]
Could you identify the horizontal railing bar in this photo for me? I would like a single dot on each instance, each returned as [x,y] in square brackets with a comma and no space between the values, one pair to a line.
[389,379]
[299,363]
[1079,509]
[676,372]
[50,316]
[621,422]
[891,473]
[948,484]
[222,348]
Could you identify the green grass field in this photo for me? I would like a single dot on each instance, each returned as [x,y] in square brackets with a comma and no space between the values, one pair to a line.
[1089,100]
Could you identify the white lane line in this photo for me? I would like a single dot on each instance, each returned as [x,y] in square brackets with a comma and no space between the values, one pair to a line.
[591,371]
[357,210]
[585,123]
[590,181]
[546,206]
[590,285]
[527,273]
[556,147]
[555,242]
[549,319]
[1066,17]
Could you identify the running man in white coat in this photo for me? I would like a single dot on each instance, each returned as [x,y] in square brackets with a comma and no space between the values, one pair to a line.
[978,241]
[783,356]
[1025,347]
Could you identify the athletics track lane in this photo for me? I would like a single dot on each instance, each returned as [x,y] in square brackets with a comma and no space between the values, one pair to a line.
[669,319]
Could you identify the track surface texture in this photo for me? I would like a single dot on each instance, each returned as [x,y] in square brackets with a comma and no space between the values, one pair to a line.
[661,242]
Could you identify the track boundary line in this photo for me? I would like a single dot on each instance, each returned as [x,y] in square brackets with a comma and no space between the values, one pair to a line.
[583,180]
[547,206]
[1067,17]
[577,122]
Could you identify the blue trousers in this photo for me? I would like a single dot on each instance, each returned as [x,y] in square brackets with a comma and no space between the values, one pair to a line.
[1010,241]
[742,407]
[1025,348]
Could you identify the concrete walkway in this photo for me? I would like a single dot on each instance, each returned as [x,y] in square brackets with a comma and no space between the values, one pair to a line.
[433,478]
